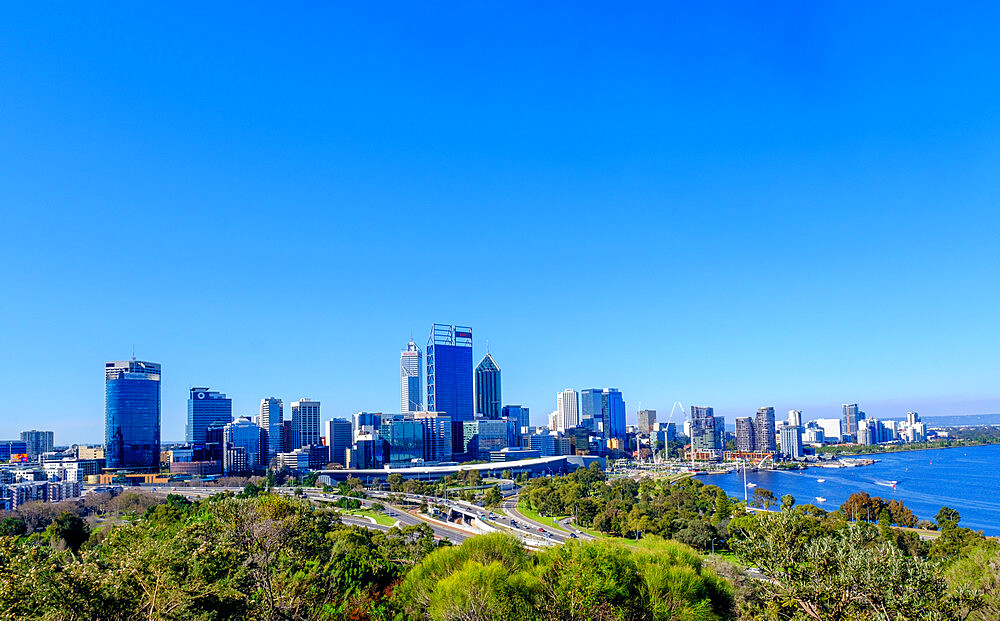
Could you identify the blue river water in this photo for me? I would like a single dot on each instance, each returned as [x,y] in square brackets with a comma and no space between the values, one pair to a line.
[965,478]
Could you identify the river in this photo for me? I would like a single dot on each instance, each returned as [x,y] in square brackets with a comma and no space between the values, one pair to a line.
[965,478]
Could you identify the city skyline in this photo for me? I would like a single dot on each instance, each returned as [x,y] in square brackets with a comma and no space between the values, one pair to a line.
[796,213]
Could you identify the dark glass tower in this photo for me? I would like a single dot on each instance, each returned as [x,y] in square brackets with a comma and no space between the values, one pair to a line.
[613,414]
[204,409]
[449,376]
[132,415]
[488,388]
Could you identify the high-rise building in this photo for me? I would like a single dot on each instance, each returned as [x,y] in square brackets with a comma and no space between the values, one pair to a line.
[366,423]
[483,436]
[763,431]
[305,423]
[791,441]
[851,417]
[795,418]
[204,409]
[37,442]
[568,406]
[438,441]
[745,434]
[517,413]
[613,414]
[339,435]
[411,378]
[449,377]
[912,418]
[833,428]
[132,415]
[404,440]
[590,408]
[488,388]
[707,431]
[646,421]
[242,446]
[271,420]
[10,448]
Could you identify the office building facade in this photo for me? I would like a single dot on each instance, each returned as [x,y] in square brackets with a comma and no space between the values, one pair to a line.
[132,415]
[488,388]
[449,376]
[745,434]
[271,420]
[305,423]
[646,420]
[791,442]
[411,378]
[707,431]
[339,436]
[613,414]
[242,442]
[590,409]
[851,415]
[568,407]
[205,408]
[37,442]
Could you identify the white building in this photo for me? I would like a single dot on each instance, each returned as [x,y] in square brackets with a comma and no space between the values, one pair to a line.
[795,418]
[832,428]
[410,384]
[305,422]
[568,410]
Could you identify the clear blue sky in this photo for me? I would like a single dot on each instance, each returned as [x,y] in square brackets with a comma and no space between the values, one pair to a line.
[736,205]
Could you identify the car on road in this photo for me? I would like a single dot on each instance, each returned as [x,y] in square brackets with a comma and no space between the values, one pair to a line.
[573,535]
[541,530]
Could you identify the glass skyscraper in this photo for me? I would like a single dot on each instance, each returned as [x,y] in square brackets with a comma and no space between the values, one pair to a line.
[404,440]
[132,415]
[410,376]
[305,423]
[763,431]
[271,420]
[488,388]
[449,377]
[613,414]
[590,408]
[204,409]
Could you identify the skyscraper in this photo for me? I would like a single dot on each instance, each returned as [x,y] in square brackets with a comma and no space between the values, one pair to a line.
[613,414]
[568,406]
[791,441]
[763,431]
[132,415]
[37,442]
[410,378]
[706,430]
[590,408]
[449,377]
[646,421]
[271,420]
[744,434]
[488,388]
[205,408]
[241,446]
[339,435]
[851,417]
[305,423]
[795,418]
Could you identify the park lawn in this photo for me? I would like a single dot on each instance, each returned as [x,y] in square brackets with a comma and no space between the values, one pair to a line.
[380,518]
[531,514]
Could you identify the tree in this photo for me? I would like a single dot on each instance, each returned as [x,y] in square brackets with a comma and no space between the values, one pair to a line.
[723,507]
[763,497]
[787,502]
[493,497]
[69,529]
[395,481]
[12,527]
[947,518]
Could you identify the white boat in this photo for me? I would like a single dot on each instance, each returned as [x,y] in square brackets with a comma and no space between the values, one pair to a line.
[820,499]
[751,485]
[821,480]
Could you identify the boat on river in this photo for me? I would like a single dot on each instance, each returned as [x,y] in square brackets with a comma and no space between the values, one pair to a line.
[820,499]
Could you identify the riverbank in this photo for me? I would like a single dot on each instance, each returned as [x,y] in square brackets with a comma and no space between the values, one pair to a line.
[881,449]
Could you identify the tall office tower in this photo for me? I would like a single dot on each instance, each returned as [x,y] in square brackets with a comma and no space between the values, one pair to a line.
[851,417]
[241,446]
[132,415]
[37,442]
[795,418]
[613,414]
[554,420]
[912,418]
[706,436]
[791,441]
[568,406]
[271,420]
[517,413]
[305,422]
[744,434]
[339,434]
[647,421]
[403,440]
[410,378]
[204,409]
[449,376]
[763,431]
[488,388]
[590,408]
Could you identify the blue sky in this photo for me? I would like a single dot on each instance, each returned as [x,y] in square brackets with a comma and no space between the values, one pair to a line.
[731,205]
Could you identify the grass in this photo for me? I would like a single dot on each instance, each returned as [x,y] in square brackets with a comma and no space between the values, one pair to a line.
[380,518]
[531,514]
